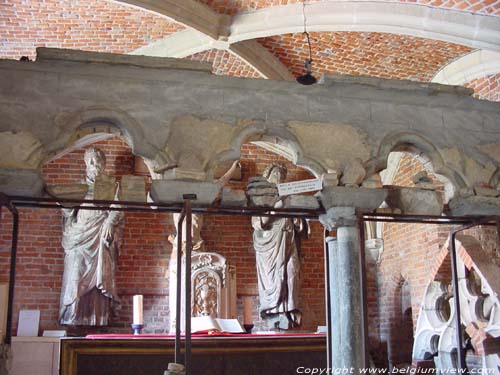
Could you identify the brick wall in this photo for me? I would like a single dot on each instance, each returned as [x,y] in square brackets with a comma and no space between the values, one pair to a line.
[144,255]
[486,88]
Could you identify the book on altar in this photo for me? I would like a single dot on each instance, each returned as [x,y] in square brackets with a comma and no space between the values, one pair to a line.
[206,324]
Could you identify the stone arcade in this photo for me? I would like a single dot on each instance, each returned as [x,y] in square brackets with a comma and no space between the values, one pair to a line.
[175,113]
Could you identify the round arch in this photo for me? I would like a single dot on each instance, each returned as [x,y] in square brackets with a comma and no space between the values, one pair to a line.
[418,145]
[278,136]
[93,124]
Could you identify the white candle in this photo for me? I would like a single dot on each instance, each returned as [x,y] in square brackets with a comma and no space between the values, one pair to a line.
[137,310]
[247,310]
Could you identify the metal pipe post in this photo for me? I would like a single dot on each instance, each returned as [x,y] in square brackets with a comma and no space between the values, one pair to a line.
[189,247]
[364,298]
[456,303]
[12,273]
[178,289]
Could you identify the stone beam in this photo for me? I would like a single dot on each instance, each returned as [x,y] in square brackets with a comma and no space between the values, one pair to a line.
[254,54]
[342,124]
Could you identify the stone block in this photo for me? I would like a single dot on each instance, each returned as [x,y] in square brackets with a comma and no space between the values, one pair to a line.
[263,200]
[233,198]
[414,201]
[475,206]
[133,189]
[184,174]
[363,198]
[354,173]
[330,179]
[302,201]
[68,191]
[23,182]
[172,191]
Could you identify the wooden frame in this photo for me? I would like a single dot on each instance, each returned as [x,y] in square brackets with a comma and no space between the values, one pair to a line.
[210,355]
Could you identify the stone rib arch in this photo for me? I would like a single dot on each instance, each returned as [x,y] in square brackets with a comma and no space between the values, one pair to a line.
[417,144]
[98,123]
[283,137]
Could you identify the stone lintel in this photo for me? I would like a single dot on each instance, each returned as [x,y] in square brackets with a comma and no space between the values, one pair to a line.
[365,199]
[44,54]
[475,206]
[427,88]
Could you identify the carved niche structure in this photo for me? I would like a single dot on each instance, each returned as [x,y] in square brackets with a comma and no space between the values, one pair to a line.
[213,288]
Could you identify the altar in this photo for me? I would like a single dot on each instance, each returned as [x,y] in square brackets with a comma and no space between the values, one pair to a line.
[217,355]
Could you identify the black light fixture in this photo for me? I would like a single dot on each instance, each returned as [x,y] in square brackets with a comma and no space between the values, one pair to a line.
[308,78]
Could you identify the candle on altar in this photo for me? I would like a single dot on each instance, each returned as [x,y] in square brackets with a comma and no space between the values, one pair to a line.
[247,310]
[137,319]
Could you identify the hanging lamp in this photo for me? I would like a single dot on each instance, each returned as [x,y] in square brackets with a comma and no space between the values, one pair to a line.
[308,78]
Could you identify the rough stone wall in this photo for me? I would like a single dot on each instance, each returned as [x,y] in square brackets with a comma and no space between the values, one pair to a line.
[143,261]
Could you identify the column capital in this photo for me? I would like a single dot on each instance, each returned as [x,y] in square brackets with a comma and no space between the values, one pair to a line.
[338,217]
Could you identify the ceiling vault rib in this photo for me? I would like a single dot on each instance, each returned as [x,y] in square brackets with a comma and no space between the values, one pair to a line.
[210,30]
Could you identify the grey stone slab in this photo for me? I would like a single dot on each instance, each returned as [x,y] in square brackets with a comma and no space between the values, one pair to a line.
[233,198]
[362,198]
[475,206]
[44,54]
[414,201]
[105,90]
[171,191]
[387,113]
[265,105]
[185,99]
[28,84]
[459,119]
[301,201]
[28,183]
[325,108]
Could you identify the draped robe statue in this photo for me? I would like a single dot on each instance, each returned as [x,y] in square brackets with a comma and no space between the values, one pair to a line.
[90,241]
[277,244]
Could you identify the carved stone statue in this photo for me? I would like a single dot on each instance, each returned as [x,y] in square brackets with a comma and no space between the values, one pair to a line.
[277,245]
[90,241]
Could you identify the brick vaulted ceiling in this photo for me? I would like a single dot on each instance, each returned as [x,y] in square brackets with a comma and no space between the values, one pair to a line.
[410,39]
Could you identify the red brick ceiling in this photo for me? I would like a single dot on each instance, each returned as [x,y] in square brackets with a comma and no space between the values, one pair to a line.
[107,26]
[372,54]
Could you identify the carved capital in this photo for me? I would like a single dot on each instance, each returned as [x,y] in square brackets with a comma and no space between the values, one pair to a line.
[338,217]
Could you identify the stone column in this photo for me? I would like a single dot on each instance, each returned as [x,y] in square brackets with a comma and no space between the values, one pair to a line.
[346,344]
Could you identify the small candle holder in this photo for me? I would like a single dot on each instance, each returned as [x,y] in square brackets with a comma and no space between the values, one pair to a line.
[248,328]
[137,328]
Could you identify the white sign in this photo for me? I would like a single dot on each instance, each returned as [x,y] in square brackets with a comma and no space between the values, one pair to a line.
[298,187]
